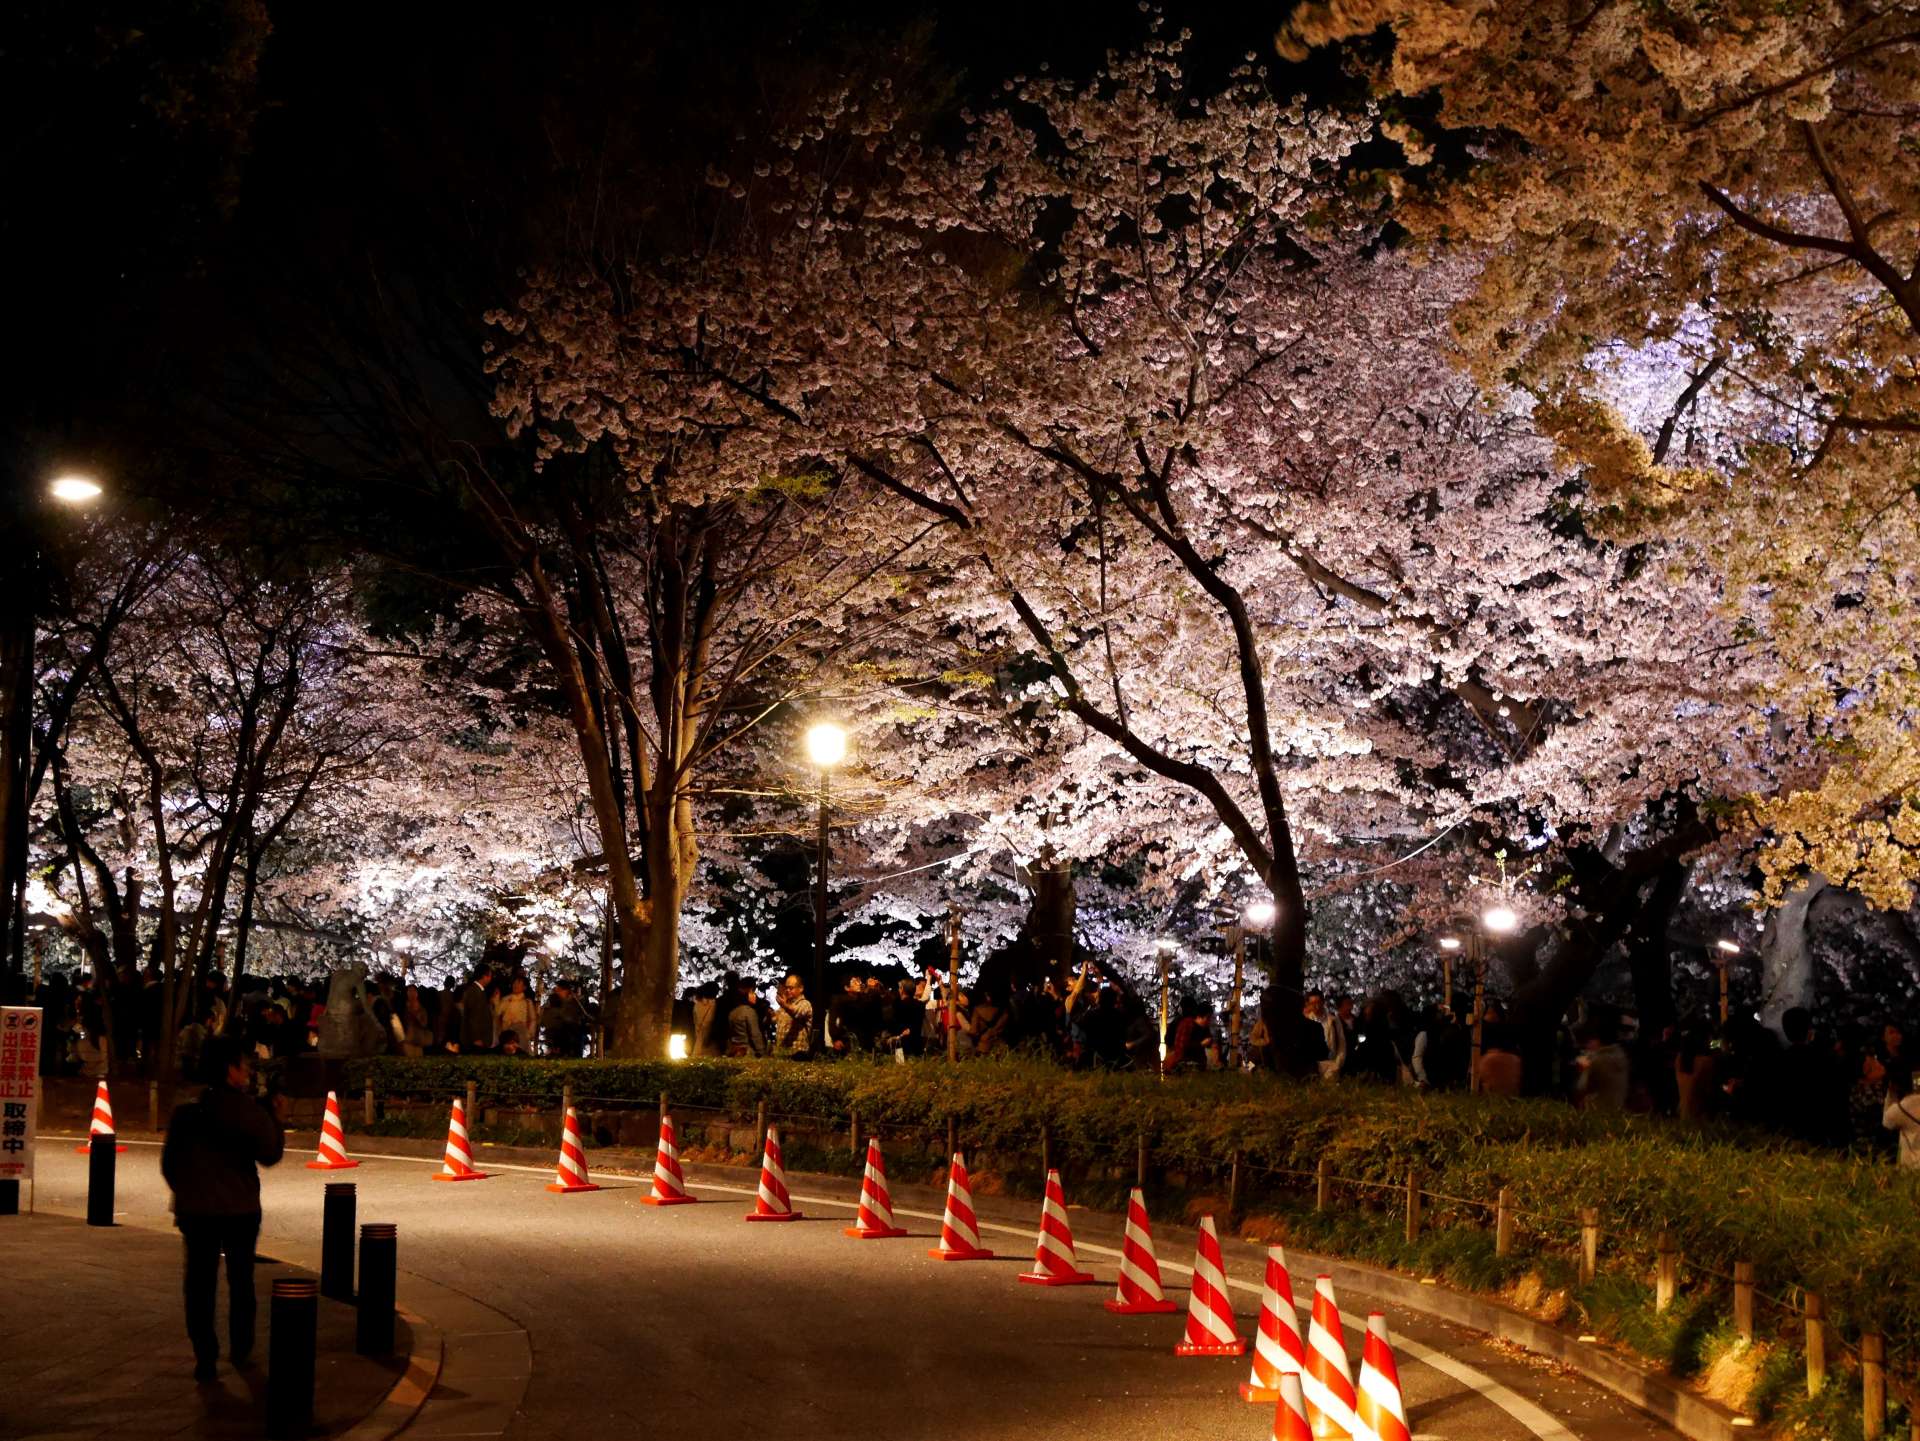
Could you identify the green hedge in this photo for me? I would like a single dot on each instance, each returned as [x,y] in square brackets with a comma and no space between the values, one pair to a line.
[1843,1228]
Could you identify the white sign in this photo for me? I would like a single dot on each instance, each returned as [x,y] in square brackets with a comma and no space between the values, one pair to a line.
[19,1089]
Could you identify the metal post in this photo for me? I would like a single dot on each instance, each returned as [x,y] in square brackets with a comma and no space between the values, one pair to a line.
[366,1105]
[1140,1168]
[953,986]
[1816,1344]
[1503,1223]
[820,907]
[1589,1242]
[1723,995]
[100,1162]
[1233,1188]
[338,1212]
[1239,967]
[1323,1185]
[1743,1299]
[1477,955]
[760,1128]
[1413,1206]
[379,1270]
[473,1111]
[293,1324]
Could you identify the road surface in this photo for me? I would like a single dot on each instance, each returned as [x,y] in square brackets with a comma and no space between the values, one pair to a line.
[686,1322]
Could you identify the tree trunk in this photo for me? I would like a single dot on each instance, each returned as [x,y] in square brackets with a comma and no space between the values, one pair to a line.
[1786,962]
[1648,956]
[1050,917]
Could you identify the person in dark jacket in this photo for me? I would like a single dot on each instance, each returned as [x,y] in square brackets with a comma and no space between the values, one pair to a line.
[213,1146]
[476,1013]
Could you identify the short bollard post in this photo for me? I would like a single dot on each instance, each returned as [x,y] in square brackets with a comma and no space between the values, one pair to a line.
[473,1107]
[153,1105]
[379,1266]
[293,1320]
[1816,1344]
[1323,1185]
[1046,1149]
[100,1161]
[1233,1188]
[953,1136]
[337,1216]
[1503,1222]
[1413,1206]
[1666,1274]
[760,1129]
[1873,1387]
[1743,1299]
[1589,1242]
[1140,1164]
[366,1105]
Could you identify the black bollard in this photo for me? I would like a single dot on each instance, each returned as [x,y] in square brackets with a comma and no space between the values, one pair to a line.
[100,1160]
[336,1241]
[293,1323]
[379,1263]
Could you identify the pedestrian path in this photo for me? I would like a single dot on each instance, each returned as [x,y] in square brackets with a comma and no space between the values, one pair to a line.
[93,1343]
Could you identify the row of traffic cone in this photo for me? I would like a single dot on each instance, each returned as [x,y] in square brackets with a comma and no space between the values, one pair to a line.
[1310,1383]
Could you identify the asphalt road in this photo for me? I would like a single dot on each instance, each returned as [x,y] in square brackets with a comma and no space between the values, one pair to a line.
[684,1321]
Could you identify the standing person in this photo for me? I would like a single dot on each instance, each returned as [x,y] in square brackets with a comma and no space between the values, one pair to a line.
[515,1012]
[1902,1117]
[744,1036]
[213,1146]
[474,1012]
[563,1020]
[793,1025]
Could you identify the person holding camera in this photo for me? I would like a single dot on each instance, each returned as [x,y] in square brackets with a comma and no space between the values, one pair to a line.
[213,1148]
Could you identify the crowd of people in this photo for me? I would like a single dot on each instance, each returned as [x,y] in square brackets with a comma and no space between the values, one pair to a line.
[113,1025]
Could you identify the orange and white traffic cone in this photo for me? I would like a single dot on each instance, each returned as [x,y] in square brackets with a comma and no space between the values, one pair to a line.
[1277,1348]
[1379,1408]
[773,1203]
[1054,1263]
[333,1141]
[669,1186]
[1210,1329]
[1328,1382]
[102,1123]
[1139,1292]
[1290,1411]
[458,1165]
[570,1174]
[959,1228]
[875,1219]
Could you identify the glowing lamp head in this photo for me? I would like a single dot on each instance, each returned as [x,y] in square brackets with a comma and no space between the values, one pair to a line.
[1501,920]
[1449,943]
[826,744]
[677,1046]
[73,489]
[1726,947]
[1166,946]
[1261,913]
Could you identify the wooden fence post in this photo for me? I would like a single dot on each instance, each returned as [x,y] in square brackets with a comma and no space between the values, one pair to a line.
[1046,1150]
[566,1103]
[1323,1186]
[366,1105]
[153,1105]
[1873,1387]
[853,1132]
[1233,1189]
[1503,1222]
[1140,1164]
[473,1106]
[1413,1206]
[1666,1276]
[663,1110]
[1743,1299]
[1589,1242]
[760,1127]
[1816,1344]
[953,1138]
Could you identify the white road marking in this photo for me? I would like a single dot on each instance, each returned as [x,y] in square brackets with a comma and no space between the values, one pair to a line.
[1515,1405]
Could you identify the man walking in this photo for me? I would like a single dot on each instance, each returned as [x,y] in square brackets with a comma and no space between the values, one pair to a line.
[213,1146]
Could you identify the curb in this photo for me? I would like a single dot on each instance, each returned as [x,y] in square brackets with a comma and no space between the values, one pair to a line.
[404,1402]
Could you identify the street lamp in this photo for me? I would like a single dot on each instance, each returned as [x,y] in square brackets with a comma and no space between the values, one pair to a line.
[1165,947]
[826,748]
[1728,950]
[73,489]
[1259,915]
[1498,920]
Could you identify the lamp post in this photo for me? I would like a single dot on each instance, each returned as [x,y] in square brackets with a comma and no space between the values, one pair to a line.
[1728,950]
[1499,920]
[826,748]
[1449,946]
[1258,915]
[17,624]
[1165,949]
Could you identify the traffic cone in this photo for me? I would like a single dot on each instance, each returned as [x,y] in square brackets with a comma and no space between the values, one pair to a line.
[1290,1411]
[1139,1292]
[570,1174]
[102,1124]
[669,1186]
[333,1141]
[959,1230]
[1276,1340]
[875,1221]
[1328,1382]
[1054,1263]
[1210,1330]
[458,1165]
[1379,1408]
[773,1202]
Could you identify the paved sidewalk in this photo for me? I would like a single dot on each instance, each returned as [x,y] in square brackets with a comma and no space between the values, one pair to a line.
[93,1343]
